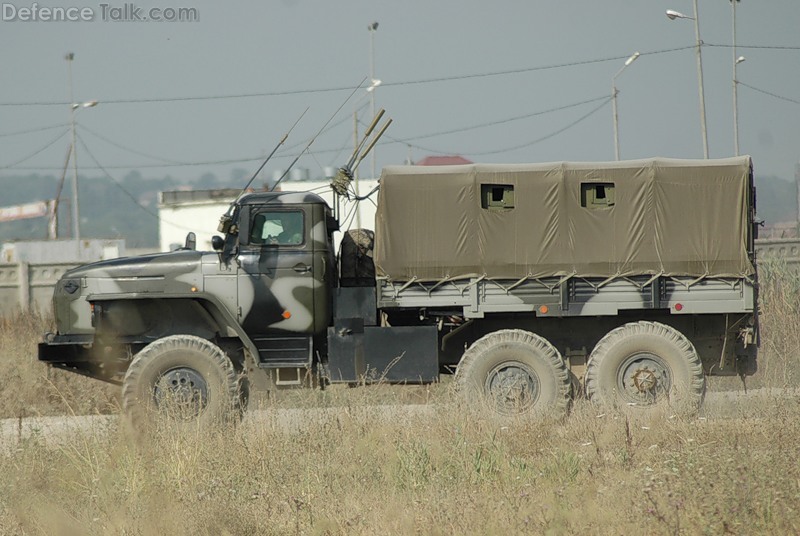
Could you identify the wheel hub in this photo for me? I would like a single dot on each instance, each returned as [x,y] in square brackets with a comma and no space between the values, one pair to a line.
[183,390]
[644,378]
[513,388]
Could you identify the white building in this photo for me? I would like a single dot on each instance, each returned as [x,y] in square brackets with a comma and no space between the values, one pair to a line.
[199,211]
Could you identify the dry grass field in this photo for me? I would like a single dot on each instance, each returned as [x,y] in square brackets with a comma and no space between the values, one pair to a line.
[442,471]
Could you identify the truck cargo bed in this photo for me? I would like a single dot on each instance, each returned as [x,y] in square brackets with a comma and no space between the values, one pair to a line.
[571,296]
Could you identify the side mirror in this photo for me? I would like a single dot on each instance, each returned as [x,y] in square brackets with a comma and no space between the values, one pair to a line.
[191,241]
[217,242]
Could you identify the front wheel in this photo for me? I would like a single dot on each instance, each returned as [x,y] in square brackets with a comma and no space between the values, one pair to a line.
[180,380]
[643,364]
[515,372]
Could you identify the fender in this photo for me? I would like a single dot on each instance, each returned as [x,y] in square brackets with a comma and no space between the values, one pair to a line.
[225,320]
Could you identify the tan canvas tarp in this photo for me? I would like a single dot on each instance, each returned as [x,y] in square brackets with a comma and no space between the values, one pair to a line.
[676,217]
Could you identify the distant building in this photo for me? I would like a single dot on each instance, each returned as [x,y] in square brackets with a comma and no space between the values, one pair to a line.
[198,211]
[443,161]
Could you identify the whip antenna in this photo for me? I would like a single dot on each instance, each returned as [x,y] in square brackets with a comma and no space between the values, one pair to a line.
[339,109]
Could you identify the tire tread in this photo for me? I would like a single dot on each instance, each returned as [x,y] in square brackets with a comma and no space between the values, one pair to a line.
[473,356]
[136,409]
[696,384]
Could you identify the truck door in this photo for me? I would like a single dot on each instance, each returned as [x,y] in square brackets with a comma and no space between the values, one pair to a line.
[276,271]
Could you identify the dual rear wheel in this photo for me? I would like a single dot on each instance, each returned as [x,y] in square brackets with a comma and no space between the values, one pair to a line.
[515,372]
[639,365]
[642,365]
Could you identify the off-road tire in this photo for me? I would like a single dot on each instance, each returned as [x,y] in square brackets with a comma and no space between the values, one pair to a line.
[515,372]
[633,356]
[165,359]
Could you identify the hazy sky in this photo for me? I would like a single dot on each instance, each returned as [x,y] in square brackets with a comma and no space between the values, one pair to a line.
[517,70]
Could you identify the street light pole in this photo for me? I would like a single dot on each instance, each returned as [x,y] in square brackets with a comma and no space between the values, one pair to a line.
[614,93]
[373,27]
[699,43]
[700,80]
[73,109]
[76,232]
[736,61]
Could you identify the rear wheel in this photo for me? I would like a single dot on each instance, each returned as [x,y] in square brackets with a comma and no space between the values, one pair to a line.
[515,372]
[644,364]
[180,380]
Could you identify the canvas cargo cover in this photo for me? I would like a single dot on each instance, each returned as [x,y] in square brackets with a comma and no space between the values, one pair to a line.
[668,216]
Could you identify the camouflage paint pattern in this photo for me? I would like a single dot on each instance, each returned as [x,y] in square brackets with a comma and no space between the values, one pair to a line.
[285,287]
[265,288]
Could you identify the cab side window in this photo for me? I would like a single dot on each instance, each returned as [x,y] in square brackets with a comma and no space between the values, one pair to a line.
[277,228]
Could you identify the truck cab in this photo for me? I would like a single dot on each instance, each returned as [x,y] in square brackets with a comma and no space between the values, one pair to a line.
[284,263]
[267,290]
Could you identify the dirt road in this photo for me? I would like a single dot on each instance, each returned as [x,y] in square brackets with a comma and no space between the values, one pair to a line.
[14,433]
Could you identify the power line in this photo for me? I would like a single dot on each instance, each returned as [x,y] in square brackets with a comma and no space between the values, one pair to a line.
[126,192]
[326,129]
[405,141]
[128,149]
[191,98]
[502,121]
[532,69]
[37,151]
[762,47]
[344,88]
[548,136]
[339,151]
[606,100]
[146,166]
[39,129]
[242,160]
[108,176]
[151,100]
[787,99]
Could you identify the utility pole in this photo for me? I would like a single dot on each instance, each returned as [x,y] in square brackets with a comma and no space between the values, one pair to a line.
[73,109]
[614,93]
[672,15]
[736,61]
[373,27]
[76,231]
[700,80]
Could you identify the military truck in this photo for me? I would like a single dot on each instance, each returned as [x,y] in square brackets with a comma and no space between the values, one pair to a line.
[627,282]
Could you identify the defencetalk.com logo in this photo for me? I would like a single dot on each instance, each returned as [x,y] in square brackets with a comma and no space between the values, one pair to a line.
[127,12]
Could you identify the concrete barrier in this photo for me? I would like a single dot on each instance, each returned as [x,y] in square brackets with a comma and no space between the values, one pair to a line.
[787,249]
[28,286]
